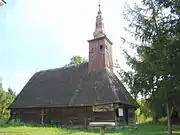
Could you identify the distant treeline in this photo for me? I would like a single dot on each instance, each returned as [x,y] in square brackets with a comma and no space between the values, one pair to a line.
[6,98]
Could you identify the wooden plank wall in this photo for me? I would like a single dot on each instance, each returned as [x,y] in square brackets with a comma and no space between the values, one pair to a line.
[131,115]
[63,116]
[27,115]
[104,116]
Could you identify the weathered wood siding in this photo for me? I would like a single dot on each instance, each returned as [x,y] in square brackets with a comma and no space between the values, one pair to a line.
[27,115]
[131,115]
[71,116]
[63,116]
[128,117]
[104,116]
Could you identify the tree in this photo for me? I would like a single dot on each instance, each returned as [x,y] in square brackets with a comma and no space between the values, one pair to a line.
[155,72]
[76,60]
[2,102]
[11,92]
[6,98]
[0,82]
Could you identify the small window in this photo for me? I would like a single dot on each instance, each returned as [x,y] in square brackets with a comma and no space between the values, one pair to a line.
[106,47]
[101,47]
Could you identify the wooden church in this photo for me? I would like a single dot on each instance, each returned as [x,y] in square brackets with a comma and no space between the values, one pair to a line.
[77,95]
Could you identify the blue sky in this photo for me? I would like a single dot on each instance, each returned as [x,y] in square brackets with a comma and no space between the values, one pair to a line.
[40,34]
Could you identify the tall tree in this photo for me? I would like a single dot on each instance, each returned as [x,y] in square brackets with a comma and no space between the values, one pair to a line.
[157,26]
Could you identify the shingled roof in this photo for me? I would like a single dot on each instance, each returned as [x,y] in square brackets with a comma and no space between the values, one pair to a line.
[72,86]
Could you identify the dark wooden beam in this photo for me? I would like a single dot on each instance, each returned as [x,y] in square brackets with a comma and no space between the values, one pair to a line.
[42,116]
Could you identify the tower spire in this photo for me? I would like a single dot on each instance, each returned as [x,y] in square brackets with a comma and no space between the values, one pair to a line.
[100,47]
[99,5]
[99,29]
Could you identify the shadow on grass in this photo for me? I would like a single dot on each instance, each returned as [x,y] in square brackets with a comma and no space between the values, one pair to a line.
[154,129]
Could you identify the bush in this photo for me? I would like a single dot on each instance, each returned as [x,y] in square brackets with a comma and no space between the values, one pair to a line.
[162,120]
[2,122]
[12,123]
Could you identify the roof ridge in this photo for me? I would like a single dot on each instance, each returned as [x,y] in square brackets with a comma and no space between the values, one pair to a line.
[64,67]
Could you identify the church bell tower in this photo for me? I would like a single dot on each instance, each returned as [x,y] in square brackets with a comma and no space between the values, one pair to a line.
[100,47]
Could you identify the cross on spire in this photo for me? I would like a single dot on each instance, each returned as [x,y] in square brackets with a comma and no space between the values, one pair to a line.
[99,5]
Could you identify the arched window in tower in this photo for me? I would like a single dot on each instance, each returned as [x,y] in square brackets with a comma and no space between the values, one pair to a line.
[101,47]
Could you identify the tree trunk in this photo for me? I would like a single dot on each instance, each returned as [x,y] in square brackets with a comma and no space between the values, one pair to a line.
[42,116]
[154,116]
[2,112]
[169,114]
[179,114]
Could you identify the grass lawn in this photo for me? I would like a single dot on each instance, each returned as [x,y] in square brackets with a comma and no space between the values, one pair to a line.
[146,129]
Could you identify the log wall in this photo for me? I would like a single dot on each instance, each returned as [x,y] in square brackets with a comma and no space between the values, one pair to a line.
[104,116]
[63,116]
[70,116]
[131,115]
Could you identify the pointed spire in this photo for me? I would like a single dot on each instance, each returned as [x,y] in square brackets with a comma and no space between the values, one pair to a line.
[99,30]
[99,6]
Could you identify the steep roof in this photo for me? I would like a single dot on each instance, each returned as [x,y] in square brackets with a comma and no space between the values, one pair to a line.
[72,86]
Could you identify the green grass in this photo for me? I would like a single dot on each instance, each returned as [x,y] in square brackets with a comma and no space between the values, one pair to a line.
[145,129]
